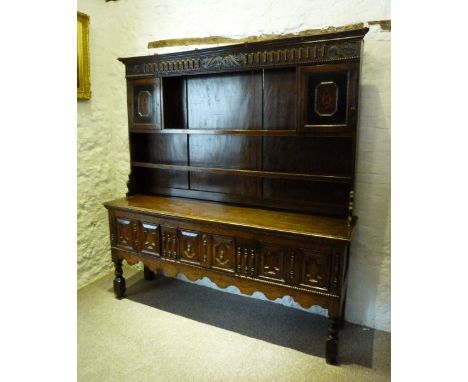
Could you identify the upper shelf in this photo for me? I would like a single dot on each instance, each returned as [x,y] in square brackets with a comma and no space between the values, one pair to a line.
[244,132]
[254,173]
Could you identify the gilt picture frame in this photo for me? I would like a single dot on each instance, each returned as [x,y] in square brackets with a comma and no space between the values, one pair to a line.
[83,67]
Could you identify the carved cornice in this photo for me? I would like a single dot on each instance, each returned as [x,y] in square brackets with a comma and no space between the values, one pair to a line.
[251,57]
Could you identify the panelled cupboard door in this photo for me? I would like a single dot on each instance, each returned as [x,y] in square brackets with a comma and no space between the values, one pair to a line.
[327,98]
[144,103]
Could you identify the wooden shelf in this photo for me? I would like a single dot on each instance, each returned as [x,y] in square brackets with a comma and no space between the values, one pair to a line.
[244,132]
[255,173]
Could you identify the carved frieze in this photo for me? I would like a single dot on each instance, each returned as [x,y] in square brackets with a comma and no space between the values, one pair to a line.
[194,62]
[223,62]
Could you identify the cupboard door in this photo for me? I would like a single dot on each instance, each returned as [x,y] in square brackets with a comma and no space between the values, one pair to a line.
[169,243]
[327,98]
[149,238]
[144,103]
[223,253]
[189,247]
[272,262]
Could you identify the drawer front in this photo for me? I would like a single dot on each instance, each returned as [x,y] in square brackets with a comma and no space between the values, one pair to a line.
[125,233]
[149,238]
[189,247]
[169,243]
[272,262]
[311,265]
[315,269]
[223,253]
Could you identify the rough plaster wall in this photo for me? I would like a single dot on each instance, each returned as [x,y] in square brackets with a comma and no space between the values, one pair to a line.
[124,28]
[95,170]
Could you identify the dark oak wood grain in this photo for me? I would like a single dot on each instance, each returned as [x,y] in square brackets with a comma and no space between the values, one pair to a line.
[243,167]
[225,101]
[279,99]
[303,224]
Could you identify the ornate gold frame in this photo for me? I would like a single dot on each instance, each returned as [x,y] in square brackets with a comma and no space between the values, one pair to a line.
[83,70]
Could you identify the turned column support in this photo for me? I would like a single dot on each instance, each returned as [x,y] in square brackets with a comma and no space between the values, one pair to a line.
[119,281]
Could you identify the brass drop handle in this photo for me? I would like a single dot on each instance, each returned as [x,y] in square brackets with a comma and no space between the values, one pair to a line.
[221,255]
[189,247]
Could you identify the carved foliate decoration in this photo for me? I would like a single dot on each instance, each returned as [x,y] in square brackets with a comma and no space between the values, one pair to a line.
[251,58]
[131,184]
[344,49]
[224,62]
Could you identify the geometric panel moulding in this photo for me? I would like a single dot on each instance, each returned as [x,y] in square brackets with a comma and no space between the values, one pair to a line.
[326,98]
[144,103]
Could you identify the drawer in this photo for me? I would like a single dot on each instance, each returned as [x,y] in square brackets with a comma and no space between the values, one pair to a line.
[315,269]
[149,242]
[126,232]
[223,253]
[189,247]
[272,262]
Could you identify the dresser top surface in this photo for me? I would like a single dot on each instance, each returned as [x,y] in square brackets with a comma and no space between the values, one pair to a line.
[280,221]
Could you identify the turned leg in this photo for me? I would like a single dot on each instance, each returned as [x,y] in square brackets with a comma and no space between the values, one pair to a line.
[149,274]
[343,310]
[119,281]
[332,341]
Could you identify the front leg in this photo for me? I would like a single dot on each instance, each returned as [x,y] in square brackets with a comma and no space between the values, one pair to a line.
[119,281]
[332,340]
[148,273]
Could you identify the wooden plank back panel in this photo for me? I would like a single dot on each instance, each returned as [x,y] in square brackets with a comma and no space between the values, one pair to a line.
[225,151]
[308,155]
[241,186]
[225,101]
[150,181]
[279,99]
[159,148]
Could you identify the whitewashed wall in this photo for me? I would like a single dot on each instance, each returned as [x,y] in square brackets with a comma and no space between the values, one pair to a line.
[124,28]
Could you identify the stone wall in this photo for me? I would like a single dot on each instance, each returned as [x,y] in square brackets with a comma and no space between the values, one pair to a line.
[124,28]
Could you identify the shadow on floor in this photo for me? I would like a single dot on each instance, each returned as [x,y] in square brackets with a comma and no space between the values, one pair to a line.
[254,318]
